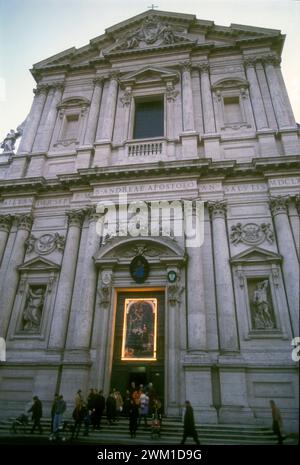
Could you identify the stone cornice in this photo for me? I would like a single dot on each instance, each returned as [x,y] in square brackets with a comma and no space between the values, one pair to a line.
[202,167]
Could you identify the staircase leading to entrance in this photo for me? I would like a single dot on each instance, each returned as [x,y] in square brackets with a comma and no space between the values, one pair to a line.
[171,433]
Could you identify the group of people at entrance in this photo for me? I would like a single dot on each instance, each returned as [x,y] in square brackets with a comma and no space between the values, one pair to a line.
[140,404]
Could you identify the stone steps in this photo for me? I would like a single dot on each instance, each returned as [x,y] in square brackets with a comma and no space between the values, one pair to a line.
[171,433]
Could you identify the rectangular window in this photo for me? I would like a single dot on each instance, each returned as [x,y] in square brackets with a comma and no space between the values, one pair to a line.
[149,119]
[71,127]
[232,110]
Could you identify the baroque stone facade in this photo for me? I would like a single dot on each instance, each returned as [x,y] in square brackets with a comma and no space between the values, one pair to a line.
[228,137]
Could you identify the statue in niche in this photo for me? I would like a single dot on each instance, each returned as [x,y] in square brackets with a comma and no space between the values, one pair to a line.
[33,309]
[263,318]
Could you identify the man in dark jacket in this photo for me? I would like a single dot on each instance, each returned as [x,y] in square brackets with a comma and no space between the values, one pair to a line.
[37,413]
[189,424]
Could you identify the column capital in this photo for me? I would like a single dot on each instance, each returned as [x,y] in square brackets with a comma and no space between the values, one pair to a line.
[57,85]
[279,204]
[41,89]
[25,221]
[5,222]
[217,209]
[98,80]
[92,214]
[114,76]
[75,218]
[203,66]
[186,65]
[250,62]
[269,59]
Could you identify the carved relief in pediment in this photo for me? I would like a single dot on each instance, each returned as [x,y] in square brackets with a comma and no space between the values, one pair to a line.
[151,33]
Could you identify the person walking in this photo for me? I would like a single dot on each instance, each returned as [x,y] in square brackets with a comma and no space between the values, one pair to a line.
[189,428]
[58,415]
[37,413]
[277,421]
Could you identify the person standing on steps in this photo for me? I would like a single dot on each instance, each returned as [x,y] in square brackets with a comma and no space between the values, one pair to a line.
[189,428]
[277,421]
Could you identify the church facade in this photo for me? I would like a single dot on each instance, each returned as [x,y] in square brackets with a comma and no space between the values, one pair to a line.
[162,107]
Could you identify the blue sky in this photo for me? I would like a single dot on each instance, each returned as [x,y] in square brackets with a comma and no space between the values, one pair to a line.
[32,30]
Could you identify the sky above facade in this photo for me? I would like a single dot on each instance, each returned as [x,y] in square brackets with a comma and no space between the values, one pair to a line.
[32,30]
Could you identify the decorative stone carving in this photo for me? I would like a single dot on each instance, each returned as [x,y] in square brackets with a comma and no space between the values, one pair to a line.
[279,204]
[145,250]
[241,278]
[251,233]
[29,243]
[46,243]
[217,209]
[5,222]
[22,284]
[104,291]
[152,32]
[171,93]
[127,96]
[32,315]
[51,281]
[75,218]
[174,291]
[275,275]
[25,221]
[261,305]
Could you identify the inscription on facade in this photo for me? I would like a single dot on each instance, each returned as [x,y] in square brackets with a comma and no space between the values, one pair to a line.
[280,182]
[25,201]
[52,202]
[244,188]
[146,188]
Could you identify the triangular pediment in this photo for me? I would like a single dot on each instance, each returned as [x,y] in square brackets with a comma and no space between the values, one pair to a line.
[153,30]
[149,74]
[255,255]
[39,264]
